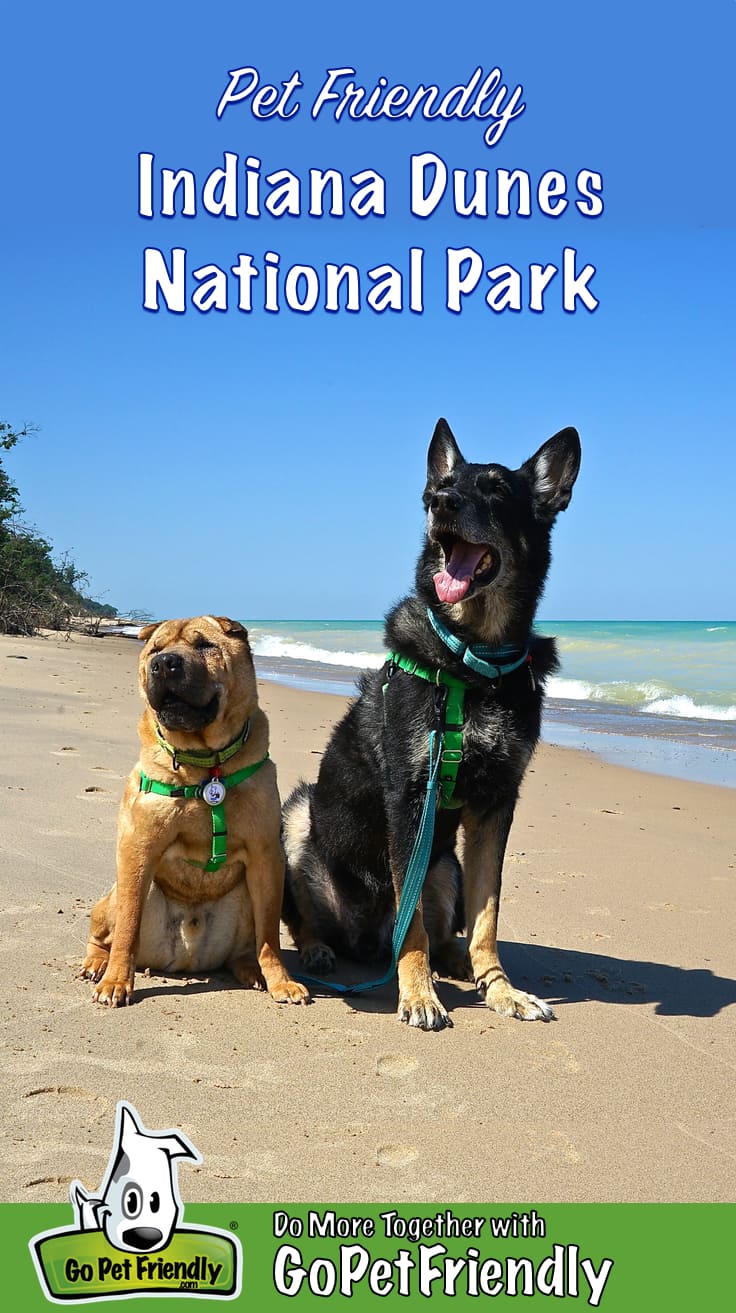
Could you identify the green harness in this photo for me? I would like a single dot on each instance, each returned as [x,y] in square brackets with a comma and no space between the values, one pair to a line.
[453,703]
[211,790]
[492,663]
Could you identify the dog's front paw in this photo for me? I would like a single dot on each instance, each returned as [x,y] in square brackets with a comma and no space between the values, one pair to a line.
[290,991]
[318,958]
[509,1002]
[114,993]
[95,963]
[423,1010]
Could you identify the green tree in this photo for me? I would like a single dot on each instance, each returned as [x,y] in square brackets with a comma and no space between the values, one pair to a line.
[35,592]
[9,495]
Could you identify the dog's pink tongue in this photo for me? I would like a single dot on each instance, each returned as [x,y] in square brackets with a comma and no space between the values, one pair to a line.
[452,583]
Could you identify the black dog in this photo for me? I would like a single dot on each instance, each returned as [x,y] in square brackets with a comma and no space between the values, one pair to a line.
[349,836]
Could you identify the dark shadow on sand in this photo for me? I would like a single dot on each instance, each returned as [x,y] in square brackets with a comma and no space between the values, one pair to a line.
[575,977]
[561,976]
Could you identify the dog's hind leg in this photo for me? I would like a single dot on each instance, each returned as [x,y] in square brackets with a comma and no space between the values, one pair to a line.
[265,880]
[101,927]
[247,971]
[237,909]
[485,845]
[305,907]
[302,918]
[448,955]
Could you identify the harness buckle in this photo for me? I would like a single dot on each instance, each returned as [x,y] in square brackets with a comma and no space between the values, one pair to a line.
[532,680]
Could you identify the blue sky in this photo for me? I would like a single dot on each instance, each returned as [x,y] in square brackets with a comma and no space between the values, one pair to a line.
[271,466]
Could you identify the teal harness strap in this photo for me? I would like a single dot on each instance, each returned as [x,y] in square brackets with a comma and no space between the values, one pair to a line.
[491,662]
[217,807]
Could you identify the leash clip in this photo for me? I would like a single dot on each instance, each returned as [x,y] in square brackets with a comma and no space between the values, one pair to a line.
[440,702]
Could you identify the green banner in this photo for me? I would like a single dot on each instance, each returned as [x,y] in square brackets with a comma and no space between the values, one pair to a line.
[83,1265]
[618,1257]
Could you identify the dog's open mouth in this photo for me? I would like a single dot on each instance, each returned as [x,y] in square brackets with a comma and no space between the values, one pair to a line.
[176,713]
[467,565]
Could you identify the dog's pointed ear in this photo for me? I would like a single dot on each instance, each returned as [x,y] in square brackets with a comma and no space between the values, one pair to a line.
[178,1146]
[552,471]
[231,627]
[444,453]
[129,1125]
[145,633]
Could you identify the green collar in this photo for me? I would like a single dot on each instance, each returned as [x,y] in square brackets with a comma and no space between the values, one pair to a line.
[202,756]
[212,791]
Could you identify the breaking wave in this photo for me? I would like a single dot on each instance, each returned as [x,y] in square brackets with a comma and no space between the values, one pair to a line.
[651,697]
[648,698]
[271,645]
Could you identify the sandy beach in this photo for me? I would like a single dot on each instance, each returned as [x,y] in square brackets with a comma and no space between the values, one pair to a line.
[618,907]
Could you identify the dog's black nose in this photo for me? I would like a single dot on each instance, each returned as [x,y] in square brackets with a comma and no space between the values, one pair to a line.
[446,501]
[167,663]
[142,1237]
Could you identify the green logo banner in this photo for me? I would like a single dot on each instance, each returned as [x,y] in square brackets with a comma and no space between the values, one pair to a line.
[82,1265]
[621,1258]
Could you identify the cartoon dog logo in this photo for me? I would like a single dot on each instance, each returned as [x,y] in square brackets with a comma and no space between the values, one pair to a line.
[138,1204]
[137,1210]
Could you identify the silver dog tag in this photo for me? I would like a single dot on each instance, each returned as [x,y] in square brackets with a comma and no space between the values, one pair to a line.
[213,792]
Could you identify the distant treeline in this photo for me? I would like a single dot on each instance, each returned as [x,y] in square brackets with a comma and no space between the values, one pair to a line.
[36,592]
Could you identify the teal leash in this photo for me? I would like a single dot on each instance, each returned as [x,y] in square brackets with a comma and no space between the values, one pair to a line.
[492,663]
[414,879]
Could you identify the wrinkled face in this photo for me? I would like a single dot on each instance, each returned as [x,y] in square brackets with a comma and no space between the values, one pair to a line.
[195,672]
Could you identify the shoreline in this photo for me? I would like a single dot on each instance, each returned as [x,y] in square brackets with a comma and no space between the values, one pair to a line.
[580,711]
[653,745]
[617,906]
[684,748]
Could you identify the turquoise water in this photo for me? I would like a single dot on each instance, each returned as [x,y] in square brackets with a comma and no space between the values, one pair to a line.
[685,669]
[657,694]
[667,668]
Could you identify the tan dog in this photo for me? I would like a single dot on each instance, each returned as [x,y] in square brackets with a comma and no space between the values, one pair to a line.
[202,729]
